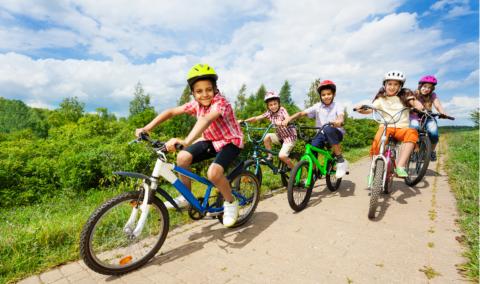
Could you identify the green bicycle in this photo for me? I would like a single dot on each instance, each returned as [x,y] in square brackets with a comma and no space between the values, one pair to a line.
[306,172]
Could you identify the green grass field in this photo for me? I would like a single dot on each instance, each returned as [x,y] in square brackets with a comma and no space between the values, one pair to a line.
[462,168]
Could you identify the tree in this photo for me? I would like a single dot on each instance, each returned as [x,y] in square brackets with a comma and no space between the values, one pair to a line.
[186,96]
[140,102]
[286,94]
[474,116]
[241,99]
[312,95]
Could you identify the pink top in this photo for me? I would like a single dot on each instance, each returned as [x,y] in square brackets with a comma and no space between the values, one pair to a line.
[288,135]
[223,130]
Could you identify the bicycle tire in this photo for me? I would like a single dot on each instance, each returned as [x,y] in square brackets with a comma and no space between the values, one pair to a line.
[377,187]
[293,189]
[247,187]
[418,162]
[112,255]
[251,166]
[333,183]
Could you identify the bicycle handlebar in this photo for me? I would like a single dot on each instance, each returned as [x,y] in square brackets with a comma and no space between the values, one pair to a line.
[433,114]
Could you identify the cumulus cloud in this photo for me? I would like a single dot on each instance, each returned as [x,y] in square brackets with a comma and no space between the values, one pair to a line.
[249,41]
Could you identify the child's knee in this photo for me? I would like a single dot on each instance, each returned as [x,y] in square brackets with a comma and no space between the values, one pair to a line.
[215,172]
[184,159]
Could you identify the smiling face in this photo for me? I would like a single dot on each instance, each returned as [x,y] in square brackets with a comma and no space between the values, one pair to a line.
[426,89]
[326,95]
[203,91]
[273,105]
[392,87]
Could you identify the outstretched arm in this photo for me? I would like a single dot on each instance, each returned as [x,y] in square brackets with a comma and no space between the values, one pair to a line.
[288,119]
[165,115]
[438,106]
[252,119]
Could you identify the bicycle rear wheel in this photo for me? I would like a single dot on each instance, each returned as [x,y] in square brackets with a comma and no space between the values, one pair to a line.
[297,192]
[107,243]
[419,160]
[246,189]
[377,186]
[333,183]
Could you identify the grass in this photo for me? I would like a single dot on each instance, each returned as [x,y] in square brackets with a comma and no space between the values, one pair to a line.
[429,272]
[41,236]
[462,168]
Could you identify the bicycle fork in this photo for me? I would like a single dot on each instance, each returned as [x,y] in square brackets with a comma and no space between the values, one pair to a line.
[144,208]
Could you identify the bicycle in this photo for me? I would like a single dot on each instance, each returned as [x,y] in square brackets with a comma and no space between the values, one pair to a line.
[126,231]
[308,169]
[419,160]
[258,156]
[382,168]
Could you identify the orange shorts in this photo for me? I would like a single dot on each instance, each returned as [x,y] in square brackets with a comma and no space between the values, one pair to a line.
[400,134]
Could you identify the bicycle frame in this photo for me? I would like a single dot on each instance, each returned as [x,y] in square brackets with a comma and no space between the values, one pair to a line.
[312,159]
[257,149]
[167,171]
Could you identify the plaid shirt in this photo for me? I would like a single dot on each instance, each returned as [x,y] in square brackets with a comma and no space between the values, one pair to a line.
[223,130]
[288,135]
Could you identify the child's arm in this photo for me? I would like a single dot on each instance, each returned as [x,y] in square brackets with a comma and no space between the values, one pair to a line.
[416,104]
[359,109]
[339,121]
[200,126]
[166,114]
[252,119]
[438,106]
[288,119]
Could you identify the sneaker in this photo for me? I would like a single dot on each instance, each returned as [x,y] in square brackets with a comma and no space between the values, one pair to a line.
[285,170]
[401,172]
[342,169]
[230,213]
[267,159]
[180,200]
[433,156]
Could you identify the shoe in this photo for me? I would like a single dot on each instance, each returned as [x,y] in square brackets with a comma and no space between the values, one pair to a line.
[342,169]
[433,156]
[401,172]
[267,159]
[230,213]
[285,170]
[180,200]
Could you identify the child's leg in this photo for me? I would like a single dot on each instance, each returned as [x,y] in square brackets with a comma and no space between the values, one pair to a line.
[216,171]
[285,152]
[270,139]
[432,131]
[194,153]
[184,160]
[409,136]
[334,137]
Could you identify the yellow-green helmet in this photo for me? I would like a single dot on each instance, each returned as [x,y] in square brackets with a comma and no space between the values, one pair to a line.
[199,72]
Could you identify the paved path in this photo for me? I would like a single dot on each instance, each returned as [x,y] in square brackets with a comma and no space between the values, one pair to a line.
[331,241]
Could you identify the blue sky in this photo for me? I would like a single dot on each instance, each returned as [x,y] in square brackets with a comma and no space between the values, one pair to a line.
[99,50]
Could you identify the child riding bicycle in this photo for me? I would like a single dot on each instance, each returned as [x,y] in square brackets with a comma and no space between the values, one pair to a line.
[221,136]
[426,95]
[392,98]
[284,135]
[327,111]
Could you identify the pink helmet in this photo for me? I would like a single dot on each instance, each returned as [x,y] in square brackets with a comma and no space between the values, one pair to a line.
[271,96]
[428,79]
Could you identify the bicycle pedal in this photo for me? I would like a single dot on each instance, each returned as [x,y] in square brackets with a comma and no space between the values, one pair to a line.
[213,214]
[347,173]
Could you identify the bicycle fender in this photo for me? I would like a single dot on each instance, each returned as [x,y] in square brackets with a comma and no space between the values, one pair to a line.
[167,196]
[133,175]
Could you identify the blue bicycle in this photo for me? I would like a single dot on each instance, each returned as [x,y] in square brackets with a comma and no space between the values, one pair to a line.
[126,231]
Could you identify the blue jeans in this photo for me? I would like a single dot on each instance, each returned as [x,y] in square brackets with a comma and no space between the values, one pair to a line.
[330,134]
[431,127]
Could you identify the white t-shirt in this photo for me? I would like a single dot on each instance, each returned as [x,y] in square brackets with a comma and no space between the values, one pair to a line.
[392,105]
[325,114]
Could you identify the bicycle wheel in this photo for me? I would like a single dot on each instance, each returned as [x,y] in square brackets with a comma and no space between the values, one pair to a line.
[417,165]
[107,243]
[285,171]
[297,192]
[251,166]
[333,183]
[246,189]
[389,179]
[377,186]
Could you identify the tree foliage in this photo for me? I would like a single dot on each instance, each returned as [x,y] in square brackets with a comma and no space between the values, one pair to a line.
[312,95]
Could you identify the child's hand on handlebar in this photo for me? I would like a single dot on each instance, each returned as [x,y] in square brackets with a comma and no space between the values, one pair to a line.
[171,144]
[139,131]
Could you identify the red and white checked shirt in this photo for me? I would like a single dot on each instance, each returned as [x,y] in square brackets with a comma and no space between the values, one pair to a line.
[288,135]
[223,130]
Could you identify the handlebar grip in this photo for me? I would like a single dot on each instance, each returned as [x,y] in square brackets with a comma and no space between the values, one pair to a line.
[179,146]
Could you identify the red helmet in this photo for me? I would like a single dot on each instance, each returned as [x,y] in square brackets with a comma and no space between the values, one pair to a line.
[326,84]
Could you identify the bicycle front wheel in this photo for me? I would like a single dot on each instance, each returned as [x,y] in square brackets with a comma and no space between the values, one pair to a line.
[298,192]
[107,243]
[251,166]
[419,160]
[246,189]
[377,186]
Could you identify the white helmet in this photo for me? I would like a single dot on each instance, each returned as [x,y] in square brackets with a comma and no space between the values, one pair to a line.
[394,75]
[271,96]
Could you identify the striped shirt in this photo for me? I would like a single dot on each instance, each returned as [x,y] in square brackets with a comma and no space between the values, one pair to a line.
[288,135]
[223,130]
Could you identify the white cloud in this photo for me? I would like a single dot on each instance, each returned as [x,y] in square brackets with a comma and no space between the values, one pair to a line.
[471,79]
[460,106]
[456,8]
[352,43]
